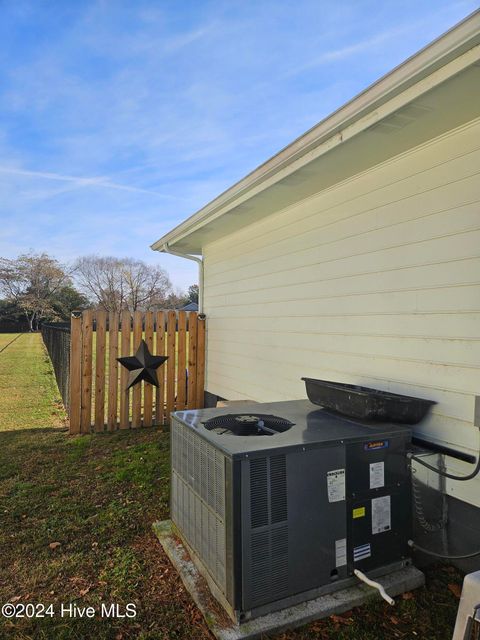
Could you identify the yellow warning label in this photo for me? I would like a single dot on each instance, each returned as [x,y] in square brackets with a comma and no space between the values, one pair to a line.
[359,512]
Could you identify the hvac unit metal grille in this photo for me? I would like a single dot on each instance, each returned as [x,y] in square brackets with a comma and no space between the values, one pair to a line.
[269,535]
[269,577]
[198,498]
[258,493]
[278,489]
[242,424]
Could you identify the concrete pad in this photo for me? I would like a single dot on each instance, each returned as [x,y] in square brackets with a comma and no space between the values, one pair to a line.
[222,626]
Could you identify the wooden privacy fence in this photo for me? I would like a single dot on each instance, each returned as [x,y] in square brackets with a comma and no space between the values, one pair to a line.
[99,398]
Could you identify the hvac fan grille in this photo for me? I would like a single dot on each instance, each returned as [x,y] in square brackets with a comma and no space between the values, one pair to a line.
[241,424]
[198,498]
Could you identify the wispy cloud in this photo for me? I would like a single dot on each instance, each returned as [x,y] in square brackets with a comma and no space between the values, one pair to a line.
[391,35]
[78,182]
[143,111]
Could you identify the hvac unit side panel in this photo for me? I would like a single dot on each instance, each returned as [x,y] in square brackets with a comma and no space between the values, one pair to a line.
[198,499]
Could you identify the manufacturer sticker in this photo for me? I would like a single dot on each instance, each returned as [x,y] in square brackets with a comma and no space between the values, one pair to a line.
[381,515]
[336,485]
[362,552]
[341,552]
[376,444]
[359,512]
[377,475]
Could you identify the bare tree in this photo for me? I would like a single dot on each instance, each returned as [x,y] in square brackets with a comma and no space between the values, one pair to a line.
[32,282]
[100,280]
[122,283]
[146,287]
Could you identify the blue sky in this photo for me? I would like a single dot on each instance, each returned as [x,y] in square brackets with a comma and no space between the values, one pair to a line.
[118,119]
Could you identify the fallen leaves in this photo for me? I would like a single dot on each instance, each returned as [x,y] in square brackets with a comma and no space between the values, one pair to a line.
[341,619]
[456,589]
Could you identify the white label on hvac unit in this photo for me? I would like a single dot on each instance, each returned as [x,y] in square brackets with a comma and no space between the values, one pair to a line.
[341,552]
[377,475]
[336,485]
[362,552]
[381,520]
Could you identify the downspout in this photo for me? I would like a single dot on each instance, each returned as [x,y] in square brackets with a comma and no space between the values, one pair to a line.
[199,261]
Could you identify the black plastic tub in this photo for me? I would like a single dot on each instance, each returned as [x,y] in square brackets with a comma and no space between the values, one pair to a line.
[364,403]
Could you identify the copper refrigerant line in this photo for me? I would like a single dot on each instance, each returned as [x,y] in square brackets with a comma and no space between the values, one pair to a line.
[428,526]
[419,511]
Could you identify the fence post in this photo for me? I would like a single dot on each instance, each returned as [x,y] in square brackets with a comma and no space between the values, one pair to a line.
[192,360]
[200,361]
[75,371]
[181,360]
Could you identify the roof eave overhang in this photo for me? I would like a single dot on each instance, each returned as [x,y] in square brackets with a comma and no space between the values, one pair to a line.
[443,58]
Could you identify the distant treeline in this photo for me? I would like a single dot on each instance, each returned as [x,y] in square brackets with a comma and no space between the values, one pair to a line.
[14,326]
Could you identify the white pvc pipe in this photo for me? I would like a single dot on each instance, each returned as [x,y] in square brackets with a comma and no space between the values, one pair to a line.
[376,585]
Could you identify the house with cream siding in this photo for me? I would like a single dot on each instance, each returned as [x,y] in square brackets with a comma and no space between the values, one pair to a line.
[354,255]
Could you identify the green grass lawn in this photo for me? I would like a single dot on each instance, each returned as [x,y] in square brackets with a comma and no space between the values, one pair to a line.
[76,518]
[28,392]
[98,496]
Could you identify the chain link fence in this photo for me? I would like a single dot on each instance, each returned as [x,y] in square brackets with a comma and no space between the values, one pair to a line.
[57,341]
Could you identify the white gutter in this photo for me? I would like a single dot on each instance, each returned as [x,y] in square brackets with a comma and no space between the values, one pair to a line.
[166,249]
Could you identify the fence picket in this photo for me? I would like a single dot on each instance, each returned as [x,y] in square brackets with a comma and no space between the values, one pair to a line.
[124,392]
[171,327]
[148,389]
[86,395]
[113,320]
[181,360]
[101,329]
[75,373]
[137,389]
[160,351]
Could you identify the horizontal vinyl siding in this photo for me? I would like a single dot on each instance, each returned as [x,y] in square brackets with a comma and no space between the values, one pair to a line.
[375,281]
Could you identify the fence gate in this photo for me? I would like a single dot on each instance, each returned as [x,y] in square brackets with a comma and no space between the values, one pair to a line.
[99,398]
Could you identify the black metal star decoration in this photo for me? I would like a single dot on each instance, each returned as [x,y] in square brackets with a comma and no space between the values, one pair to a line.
[142,366]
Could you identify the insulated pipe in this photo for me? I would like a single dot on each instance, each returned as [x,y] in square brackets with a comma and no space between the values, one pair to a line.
[440,448]
[199,261]
[376,585]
